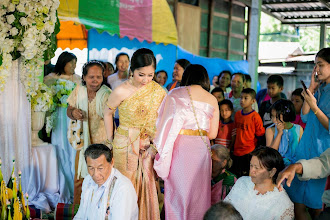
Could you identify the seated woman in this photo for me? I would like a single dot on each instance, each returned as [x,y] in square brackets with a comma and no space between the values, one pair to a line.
[256,196]
[222,179]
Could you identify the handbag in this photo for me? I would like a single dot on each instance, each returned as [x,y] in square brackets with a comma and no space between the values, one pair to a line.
[75,133]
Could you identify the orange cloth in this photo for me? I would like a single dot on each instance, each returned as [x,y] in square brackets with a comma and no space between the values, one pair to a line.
[248,126]
[173,85]
[225,133]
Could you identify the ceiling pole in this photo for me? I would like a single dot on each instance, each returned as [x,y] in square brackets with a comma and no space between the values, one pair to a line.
[254,29]
[323,36]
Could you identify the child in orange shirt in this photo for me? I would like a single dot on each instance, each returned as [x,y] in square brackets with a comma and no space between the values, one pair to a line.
[226,124]
[248,124]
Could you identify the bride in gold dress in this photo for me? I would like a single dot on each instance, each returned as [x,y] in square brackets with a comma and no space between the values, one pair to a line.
[138,100]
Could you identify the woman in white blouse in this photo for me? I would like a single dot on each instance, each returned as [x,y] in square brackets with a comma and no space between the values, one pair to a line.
[256,196]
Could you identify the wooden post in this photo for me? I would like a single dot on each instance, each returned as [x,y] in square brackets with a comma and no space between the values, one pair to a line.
[254,29]
[230,14]
[210,28]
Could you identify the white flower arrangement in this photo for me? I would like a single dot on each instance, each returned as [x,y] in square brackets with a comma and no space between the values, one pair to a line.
[42,101]
[26,29]
[61,90]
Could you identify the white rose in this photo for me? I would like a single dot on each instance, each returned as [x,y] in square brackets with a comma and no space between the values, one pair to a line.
[20,7]
[23,21]
[5,3]
[11,7]
[42,37]
[10,18]
[14,31]
[2,13]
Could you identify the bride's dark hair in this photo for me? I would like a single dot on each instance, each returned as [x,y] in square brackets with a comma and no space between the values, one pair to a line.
[141,58]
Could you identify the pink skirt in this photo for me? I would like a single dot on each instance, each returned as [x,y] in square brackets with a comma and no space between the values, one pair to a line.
[187,193]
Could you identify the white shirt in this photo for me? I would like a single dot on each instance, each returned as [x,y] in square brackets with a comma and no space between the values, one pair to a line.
[94,199]
[253,206]
[114,81]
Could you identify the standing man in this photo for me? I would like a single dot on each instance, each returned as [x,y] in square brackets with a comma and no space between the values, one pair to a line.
[106,193]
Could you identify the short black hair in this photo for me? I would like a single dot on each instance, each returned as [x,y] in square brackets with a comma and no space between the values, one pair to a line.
[160,71]
[196,74]
[247,78]
[183,63]
[218,89]
[240,74]
[297,92]
[276,79]
[94,151]
[141,58]
[222,211]
[286,108]
[109,64]
[117,58]
[269,158]
[88,65]
[62,60]
[250,92]
[227,102]
[224,72]
[324,54]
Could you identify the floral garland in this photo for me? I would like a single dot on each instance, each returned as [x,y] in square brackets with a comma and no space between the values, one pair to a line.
[27,30]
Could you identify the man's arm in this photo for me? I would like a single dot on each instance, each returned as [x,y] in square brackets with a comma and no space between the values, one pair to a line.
[316,168]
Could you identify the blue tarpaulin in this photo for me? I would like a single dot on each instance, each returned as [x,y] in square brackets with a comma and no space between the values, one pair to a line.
[105,47]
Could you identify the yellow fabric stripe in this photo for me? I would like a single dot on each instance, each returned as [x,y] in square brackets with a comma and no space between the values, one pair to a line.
[163,24]
[68,10]
[193,132]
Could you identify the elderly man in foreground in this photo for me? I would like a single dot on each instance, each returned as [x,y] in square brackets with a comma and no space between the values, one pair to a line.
[315,168]
[106,193]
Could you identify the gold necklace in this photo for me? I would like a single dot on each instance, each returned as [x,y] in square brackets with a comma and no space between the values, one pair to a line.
[199,129]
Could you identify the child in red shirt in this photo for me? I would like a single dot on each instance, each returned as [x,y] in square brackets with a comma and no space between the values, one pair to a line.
[248,124]
[227,129]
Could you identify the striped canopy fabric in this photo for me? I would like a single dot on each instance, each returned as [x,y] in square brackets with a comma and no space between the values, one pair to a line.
[150,20]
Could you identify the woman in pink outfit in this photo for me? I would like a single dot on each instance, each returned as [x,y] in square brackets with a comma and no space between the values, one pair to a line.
[188,119]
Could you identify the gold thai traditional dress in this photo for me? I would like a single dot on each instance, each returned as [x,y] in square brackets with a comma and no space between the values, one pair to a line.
[137,119]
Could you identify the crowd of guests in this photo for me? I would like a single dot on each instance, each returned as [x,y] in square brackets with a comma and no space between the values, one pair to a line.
[221,145]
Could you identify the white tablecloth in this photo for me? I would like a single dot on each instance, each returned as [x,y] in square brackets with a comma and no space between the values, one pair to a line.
[43,186]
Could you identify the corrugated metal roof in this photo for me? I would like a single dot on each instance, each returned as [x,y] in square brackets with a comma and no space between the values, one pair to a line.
[299,12]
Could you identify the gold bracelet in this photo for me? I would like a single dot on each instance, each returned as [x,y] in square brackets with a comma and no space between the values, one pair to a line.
[108,141]
[151,145]
[111,108]
[316,112]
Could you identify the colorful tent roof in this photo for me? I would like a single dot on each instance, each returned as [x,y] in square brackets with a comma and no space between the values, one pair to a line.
[150,20]
[72,35]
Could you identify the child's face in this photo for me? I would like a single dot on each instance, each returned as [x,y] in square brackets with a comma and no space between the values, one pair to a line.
[246,100]
[273,90]
[297,102]
[218,96]
[274,118]
[225,111]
